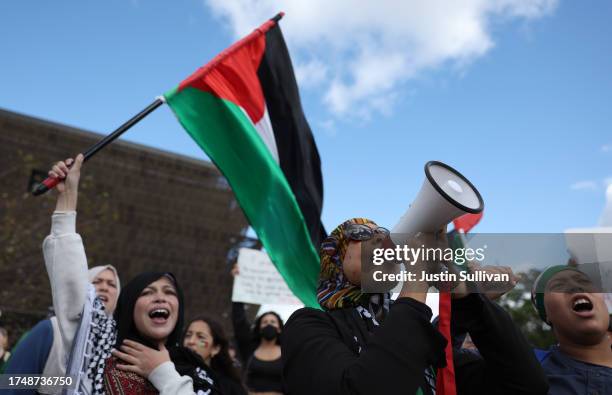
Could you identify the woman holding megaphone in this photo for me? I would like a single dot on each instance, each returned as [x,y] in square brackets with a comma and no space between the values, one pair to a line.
[366,344]
[362,343]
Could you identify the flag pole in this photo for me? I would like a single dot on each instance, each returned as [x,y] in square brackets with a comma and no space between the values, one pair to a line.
[278,17]
[50,183]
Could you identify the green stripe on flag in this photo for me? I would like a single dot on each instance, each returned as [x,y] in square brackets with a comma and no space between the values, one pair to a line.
[229,138]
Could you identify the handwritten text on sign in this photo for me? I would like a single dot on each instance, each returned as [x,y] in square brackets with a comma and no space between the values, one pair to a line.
[259,282]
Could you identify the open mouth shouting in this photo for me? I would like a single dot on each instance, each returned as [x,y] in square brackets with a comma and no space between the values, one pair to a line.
[582,305]
[159,315]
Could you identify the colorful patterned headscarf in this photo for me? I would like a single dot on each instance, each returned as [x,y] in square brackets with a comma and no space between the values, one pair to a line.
[335,291]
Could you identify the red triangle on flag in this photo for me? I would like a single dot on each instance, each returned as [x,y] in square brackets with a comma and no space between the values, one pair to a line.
[467,221]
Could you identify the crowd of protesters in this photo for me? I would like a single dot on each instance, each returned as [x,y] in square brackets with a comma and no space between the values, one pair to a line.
[135,339]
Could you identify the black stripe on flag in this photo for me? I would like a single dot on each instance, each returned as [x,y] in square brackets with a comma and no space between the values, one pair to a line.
[298,154]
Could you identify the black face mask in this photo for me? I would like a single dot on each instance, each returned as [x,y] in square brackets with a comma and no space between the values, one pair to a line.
[269,332]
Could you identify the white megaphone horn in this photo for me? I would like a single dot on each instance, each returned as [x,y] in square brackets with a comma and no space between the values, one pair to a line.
[445,195]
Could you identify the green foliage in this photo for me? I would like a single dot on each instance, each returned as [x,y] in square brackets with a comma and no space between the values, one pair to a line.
[518,303]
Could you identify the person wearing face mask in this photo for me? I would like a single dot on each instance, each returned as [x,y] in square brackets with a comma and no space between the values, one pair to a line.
[364,343]
[206,338]
[134,351]
[41,351]
[581,363]
[259,349]
[264,367]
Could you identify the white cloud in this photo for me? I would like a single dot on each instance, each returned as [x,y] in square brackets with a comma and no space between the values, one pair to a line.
[329,125]
[525,8]
[606,215]
[310,74]
[606,148]
[592,185]
[369,49]
[583,185]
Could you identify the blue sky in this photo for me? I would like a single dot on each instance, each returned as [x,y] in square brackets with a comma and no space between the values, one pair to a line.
[516,94]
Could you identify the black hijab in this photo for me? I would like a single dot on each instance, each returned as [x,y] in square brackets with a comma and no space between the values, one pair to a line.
[186,362]
[124,313]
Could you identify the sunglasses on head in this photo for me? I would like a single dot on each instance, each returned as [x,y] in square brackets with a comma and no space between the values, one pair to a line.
[355,232]
[361,232]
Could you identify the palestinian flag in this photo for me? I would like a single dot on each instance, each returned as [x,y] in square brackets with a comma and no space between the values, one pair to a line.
[445,382]
[467,221]
[243,109]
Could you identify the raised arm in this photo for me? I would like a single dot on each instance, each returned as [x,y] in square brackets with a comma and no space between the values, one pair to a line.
[242,331]
[64,253]
[508,364]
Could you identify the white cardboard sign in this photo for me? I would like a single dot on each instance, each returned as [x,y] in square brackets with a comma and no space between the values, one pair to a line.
[259,282]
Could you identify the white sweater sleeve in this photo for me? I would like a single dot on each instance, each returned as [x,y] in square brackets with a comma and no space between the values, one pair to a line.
[67,268]
[167,380]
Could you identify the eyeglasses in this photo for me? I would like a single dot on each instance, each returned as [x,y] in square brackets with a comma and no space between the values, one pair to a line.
[361,232]
[356,232]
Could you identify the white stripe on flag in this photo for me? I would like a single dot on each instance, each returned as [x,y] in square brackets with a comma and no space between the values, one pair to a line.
[265,131]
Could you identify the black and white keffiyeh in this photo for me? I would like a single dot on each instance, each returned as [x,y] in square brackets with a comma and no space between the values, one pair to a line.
[100,333]
[376,310]
[102,338]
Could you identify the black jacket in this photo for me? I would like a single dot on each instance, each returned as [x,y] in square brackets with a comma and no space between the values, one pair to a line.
[321,355]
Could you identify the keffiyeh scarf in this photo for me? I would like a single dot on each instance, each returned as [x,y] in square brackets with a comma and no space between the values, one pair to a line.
[102,339]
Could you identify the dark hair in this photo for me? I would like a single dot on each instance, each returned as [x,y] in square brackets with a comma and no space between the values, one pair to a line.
[222,362]
[124,313]
[256,334]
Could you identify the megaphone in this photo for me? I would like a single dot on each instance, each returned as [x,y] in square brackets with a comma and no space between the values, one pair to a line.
[445,195]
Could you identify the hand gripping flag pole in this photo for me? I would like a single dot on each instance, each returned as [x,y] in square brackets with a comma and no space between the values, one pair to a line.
[50,183]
